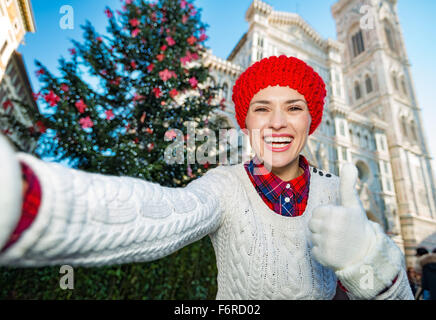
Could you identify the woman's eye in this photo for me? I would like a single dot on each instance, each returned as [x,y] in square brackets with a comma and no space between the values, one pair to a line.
[295,108]
[260,109]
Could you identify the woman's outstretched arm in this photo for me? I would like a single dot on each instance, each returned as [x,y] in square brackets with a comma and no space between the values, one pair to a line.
[92,219]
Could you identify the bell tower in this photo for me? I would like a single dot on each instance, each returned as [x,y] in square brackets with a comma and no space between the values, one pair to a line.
[379,85]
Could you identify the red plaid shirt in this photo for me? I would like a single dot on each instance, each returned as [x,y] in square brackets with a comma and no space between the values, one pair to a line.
[31,203]
[287,198]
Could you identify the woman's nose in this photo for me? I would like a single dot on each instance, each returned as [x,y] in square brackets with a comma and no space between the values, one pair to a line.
[277,119]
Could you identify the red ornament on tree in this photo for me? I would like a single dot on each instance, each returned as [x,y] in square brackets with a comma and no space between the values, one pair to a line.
[41,127]
[109,114]
[81,106]
[157,92]
[166,74]
[137,97]
[193,81]
[52,99]
[170,41]
[134,22]
[86,122]
[7,104]
[135,32]
[150,67]
[64,87]
[191,40]
[39,72]
[108,13]
[173,93]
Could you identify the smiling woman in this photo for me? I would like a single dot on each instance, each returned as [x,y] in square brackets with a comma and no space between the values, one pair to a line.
[282,119]
[283,107]
[294,233]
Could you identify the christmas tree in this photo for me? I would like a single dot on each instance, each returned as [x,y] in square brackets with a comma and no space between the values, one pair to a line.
[23,127]
[144,81]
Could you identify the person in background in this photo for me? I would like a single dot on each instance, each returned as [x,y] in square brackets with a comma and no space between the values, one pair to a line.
[420,253]
[428,279]
[411,275]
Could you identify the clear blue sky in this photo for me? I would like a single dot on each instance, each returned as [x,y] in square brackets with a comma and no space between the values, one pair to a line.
[226,26]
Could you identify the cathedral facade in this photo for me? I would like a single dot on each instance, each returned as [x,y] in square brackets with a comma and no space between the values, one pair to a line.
[371,115]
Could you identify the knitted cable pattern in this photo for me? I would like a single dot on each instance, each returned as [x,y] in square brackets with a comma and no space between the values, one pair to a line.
[283,71]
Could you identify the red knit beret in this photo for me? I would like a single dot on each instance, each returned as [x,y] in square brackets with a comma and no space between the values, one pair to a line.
[283,71]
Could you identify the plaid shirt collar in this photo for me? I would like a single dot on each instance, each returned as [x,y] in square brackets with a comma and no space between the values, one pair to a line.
[272,186]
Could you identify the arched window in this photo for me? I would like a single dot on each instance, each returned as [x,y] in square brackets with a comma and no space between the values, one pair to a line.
[357,92]
[357,43]
[260,50]
[395,80]
[403,85]
[404,126]
[342,128]
[390,36]
[259,55]
[225,90]
[356,139]
[386,167]
[382,143]
[368,84]
[413,130]
[388,185]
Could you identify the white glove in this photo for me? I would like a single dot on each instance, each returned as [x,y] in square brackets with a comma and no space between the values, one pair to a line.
[342,235]
[10,190]
[347,242]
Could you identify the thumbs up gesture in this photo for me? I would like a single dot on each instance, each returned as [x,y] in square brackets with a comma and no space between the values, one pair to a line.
[364,258]
[342,235]
[10,190]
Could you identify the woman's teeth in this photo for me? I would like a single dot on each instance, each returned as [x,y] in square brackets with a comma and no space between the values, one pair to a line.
[278,142]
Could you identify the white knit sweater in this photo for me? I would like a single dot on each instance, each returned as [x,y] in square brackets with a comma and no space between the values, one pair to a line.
[92,220]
